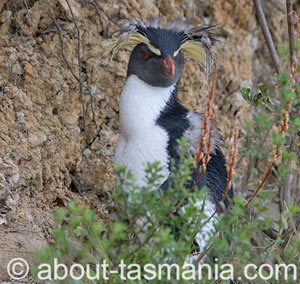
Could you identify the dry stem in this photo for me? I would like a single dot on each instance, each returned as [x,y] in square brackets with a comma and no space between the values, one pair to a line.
[266,32]
[205,137]
[79,64]
[286,114]
[78,77]
[276,154]
[291,31]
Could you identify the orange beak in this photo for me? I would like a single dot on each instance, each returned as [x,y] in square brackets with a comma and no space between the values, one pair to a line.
[167,65]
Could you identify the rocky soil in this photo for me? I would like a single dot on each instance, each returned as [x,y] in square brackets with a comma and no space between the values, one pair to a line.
[59,111]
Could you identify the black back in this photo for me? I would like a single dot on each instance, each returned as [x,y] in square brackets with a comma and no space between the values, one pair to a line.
[173,119]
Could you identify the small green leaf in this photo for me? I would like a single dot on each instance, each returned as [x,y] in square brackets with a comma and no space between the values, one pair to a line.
[256,100]
[263,88]
[245,93]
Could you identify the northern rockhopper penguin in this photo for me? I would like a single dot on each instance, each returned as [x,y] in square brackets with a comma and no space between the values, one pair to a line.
[152,119]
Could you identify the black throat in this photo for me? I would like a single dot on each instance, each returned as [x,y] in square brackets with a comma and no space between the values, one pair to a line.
[173,119]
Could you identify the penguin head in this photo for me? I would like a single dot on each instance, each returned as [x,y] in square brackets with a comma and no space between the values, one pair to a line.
[160,64]
[158,51]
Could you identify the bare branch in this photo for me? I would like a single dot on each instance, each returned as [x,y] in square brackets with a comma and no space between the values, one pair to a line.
[78,77]
[285,192]
[286,113]
[262,183]
[283,128]
[266,32]
[62,45]
[79,64]
[291,31]
[289,234]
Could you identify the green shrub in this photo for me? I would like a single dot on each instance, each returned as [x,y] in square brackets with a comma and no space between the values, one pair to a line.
[145,229]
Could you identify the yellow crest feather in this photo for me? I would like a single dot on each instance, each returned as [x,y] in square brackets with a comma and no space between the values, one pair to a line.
[133,40]
[137,38]
[195,49]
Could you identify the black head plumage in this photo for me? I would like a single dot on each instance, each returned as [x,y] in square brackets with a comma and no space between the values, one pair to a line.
[196,41]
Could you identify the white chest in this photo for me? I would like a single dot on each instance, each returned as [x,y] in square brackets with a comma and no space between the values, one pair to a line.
[141,139]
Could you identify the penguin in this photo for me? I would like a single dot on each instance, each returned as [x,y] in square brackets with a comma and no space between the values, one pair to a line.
[152,118]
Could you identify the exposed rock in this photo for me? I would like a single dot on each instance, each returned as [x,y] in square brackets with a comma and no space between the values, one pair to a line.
[57,143]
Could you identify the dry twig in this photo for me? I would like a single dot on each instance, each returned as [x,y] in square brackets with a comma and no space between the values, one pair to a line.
[80,81]
[289,234]
[266,32]
[62,45]
[78,77]
[276,154]
[230,169]
[291,31]
[286,113]
[208,116]
[262,183]
[205,137]
[207,130]
[286,190]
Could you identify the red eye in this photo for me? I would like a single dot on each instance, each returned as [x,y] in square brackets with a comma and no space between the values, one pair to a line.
[145,55]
